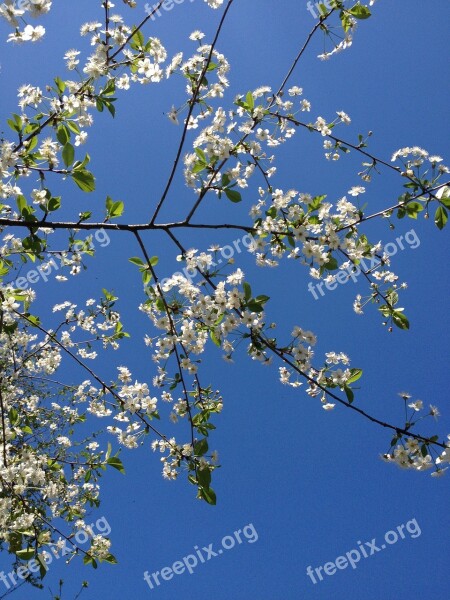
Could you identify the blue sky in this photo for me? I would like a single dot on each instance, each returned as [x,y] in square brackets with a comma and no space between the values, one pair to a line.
[309,483]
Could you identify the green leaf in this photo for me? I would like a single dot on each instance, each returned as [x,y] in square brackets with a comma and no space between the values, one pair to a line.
[202,156]
[108,295]
[13,416]
[146,277]
[413,209]
[84,180]
[250,100]
[88,560]
[116,209]
[42,565]
[26,553]
[392,297]
[137,41]
[63,134]
[360,12]
[16,124]
[68,154]
[60,85]
[110,558]
[208,494]
[109,88]
[201,447]
[233,195]
[116,463]
[110,106]
[32,144]
[73,127]
[349,393]
[54,203]
[316,203]
[355,375]
[199,167]
[440,217]
[255,306]
[214,338]
[385,310]
[332,264]
[21,203]
[204,477]
[443,195]
[137,261]
[400,320]
[247,291]
[33,320]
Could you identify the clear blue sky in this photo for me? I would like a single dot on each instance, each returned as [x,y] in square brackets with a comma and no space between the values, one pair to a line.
[309,482]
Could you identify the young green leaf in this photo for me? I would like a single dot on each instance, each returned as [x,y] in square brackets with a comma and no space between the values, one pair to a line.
[440,217]
[26,553]
[116,463]
[208,494]
[400,320]
[201,447]
[84,180]
[233,195]
[355,375]
[360,12]
[63,134]
[137,261]
[116,209]
[68,154]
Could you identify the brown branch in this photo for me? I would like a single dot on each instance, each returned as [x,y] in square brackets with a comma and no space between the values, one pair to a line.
[104,385]
[384,212]
[174,333]
[255,121]
[192,103]
[279,353]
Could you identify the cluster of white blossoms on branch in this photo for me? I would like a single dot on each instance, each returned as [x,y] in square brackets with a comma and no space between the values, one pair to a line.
[16,11]
[189,318]
[45,474]
[411,453]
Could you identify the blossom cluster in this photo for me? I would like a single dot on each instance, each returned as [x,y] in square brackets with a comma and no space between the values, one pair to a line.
[15,11]
[45,472]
